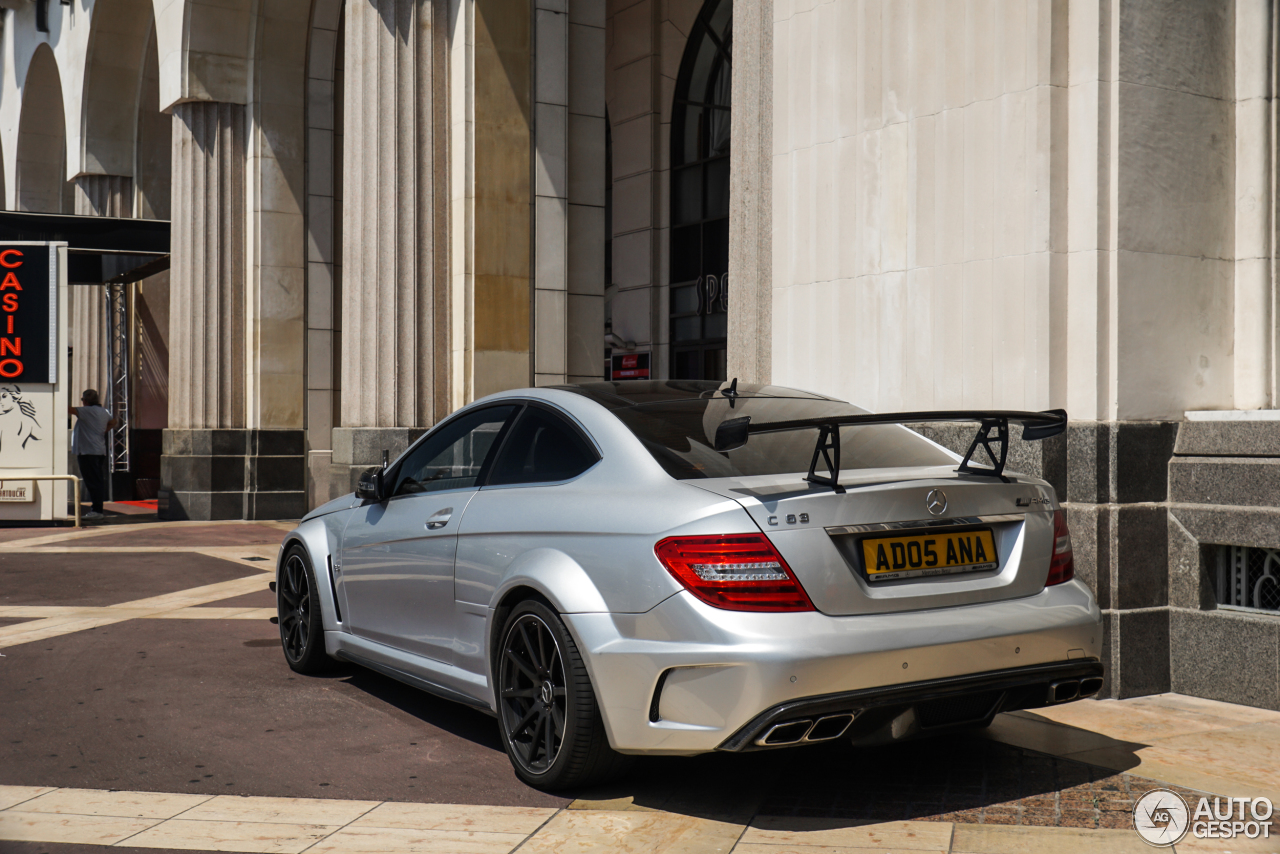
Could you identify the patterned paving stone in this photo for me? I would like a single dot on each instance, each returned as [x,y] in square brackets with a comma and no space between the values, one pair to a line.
[966,781]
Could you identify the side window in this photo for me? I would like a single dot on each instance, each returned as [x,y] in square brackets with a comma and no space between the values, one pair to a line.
[542,448]
[452,457]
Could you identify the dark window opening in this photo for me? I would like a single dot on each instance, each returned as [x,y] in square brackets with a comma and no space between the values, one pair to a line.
[42,16]
[699,271]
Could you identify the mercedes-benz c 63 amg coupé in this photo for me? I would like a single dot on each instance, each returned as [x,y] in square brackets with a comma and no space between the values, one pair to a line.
[676,567]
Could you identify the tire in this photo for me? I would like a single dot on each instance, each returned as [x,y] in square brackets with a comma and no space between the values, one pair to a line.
[298,611]
[547,712]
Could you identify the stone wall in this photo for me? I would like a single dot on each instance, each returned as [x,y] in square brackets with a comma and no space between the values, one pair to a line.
[1149,504]
[917,182]
[1224,488]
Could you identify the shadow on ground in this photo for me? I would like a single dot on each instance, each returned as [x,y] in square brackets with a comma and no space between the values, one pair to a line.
[454,718]
[965,777]
[962,777]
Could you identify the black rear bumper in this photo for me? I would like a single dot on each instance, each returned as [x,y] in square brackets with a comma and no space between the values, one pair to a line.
[939,704]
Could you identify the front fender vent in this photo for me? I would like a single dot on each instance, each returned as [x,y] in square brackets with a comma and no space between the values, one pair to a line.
[333,587]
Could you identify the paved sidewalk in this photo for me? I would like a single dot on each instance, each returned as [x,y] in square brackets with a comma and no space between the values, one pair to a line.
[112,639]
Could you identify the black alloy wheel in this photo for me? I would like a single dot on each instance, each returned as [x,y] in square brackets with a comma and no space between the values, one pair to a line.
[533,693]
[547,711]
[298,610]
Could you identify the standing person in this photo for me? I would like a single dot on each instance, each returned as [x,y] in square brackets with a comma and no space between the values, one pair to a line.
[89,444]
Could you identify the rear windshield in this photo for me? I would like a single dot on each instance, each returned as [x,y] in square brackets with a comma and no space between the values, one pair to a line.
[680,434]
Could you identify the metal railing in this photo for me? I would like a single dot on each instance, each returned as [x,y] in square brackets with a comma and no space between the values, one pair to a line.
[74,480]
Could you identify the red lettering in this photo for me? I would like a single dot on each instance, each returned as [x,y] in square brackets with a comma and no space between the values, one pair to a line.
[10,302]
[10,318]
[10,368]
[10,282]
[11,345]
[4,258]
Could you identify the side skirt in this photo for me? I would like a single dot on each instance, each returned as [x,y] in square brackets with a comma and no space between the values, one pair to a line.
[415,681]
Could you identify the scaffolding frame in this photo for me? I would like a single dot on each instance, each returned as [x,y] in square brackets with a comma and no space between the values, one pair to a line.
[118,360]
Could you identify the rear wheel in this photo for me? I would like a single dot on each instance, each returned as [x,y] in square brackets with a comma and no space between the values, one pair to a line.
[298,610]
[550,722]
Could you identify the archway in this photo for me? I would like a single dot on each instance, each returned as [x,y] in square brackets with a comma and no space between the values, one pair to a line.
[41,184]
[700,198]
[153,159]
[121,161]
[118,47]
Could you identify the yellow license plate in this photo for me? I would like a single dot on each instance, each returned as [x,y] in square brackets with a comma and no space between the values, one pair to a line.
[887,558]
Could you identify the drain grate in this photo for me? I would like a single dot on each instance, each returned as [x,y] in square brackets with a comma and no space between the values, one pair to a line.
[1249,578]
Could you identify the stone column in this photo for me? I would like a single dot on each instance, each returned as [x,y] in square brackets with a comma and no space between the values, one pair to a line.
[212,467]
[207,276]
[395,350]
[89,367]
[96,195]
[750,355]
[104,195]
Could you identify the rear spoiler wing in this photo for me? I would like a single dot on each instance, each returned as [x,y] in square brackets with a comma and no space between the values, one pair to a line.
[993,429]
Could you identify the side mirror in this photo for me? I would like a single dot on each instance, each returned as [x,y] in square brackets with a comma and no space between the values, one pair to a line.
[370,486]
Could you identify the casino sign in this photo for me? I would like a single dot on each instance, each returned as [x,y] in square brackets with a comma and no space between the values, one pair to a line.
[28,313]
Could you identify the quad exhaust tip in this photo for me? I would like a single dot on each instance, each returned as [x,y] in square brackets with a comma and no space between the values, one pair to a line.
[806,731]
[1090,685]
[1073,689]
[1064,691]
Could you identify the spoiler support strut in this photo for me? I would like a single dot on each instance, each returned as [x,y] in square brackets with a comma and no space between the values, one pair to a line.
[829,448]
[983,439]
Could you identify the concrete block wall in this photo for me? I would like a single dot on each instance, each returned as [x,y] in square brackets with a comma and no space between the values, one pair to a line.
[1224,489]
[1113,480]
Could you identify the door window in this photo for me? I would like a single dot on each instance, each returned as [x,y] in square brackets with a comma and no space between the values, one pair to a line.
[454,456]
[542,448]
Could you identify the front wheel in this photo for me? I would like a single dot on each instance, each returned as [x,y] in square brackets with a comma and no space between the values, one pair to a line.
[298,611]
[550,722]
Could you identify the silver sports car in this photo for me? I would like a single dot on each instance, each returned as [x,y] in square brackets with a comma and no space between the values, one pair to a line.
[675,567]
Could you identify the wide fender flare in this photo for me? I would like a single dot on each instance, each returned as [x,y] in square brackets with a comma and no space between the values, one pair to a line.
[556,576]
[316,537]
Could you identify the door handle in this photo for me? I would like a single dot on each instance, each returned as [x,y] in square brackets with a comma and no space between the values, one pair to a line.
[438,520]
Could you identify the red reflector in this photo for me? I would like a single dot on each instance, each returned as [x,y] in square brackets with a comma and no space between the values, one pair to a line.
[738,572]
[1062,564]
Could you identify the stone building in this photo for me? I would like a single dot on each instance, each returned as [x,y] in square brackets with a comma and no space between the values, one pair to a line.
[384,209]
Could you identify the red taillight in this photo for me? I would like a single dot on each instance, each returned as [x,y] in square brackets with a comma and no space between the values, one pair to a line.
[1062,565]
[738,572]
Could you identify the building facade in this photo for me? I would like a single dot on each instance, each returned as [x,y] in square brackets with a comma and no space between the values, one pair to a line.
[384,209]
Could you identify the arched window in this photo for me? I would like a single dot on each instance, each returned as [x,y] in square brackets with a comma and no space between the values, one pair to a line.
[700,198]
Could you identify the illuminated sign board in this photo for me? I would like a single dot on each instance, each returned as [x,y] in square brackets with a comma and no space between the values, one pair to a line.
[28,313]
[630,366]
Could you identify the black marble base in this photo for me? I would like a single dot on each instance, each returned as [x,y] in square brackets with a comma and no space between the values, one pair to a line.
[232,474]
